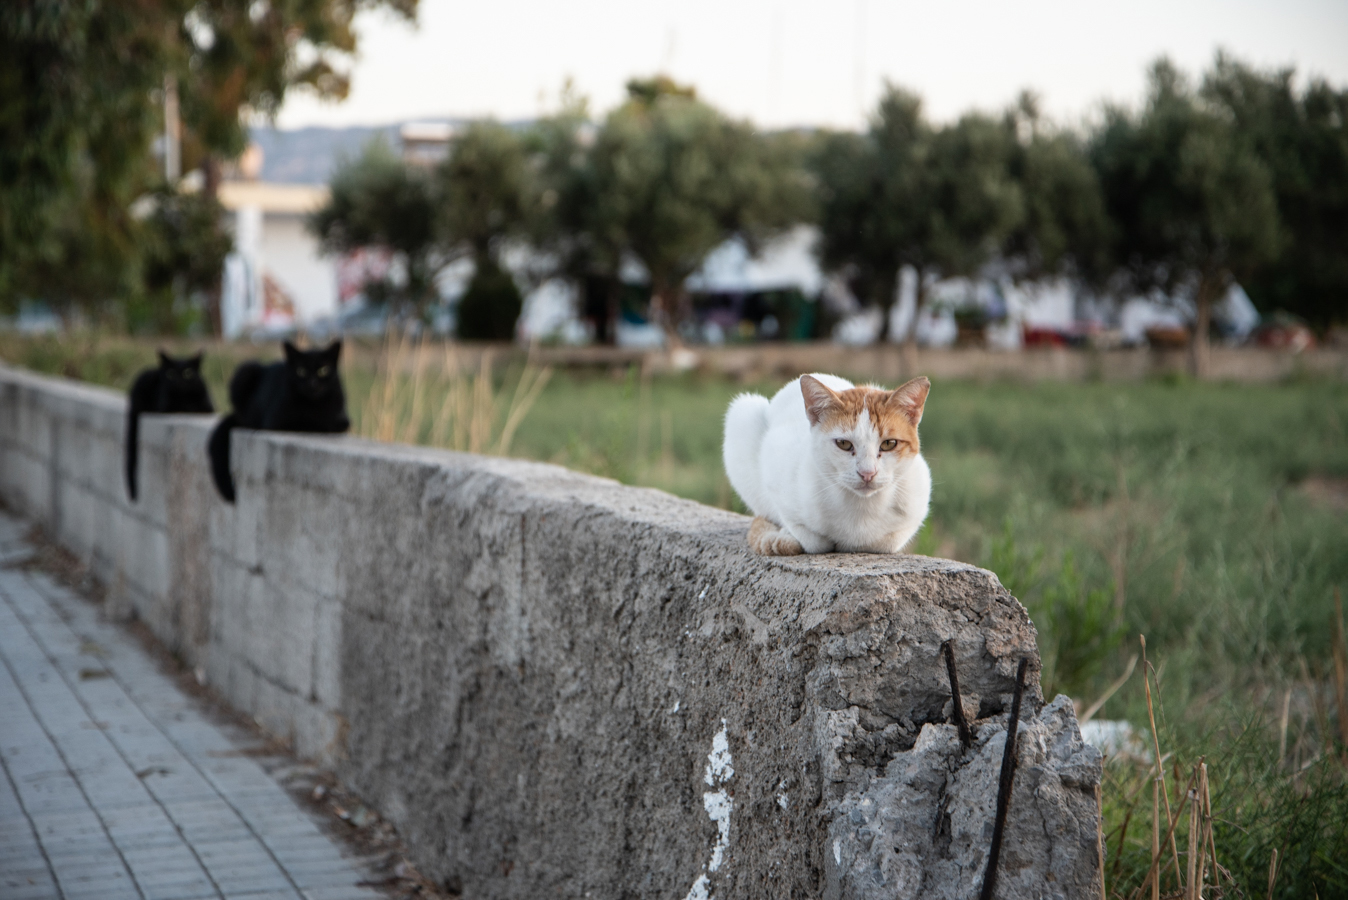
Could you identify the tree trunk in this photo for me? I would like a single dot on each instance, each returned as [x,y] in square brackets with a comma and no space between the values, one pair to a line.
[908,351]
[420,286]
[888,287]
[211,188]
[1208,285]
[665,309]
[612,309]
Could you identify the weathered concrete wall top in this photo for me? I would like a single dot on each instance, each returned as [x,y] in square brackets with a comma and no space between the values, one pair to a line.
[559,686]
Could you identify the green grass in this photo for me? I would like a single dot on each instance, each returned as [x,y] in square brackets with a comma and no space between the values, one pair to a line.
[1208,517]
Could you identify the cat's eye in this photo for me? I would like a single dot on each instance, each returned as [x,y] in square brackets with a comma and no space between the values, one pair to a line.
[189,374]
[889,444]
[323,371]
[845,446]
[301,371]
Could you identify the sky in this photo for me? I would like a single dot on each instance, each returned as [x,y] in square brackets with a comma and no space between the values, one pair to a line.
[784,63]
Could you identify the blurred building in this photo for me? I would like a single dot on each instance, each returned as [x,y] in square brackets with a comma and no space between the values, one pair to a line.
[426,143]
[276,279]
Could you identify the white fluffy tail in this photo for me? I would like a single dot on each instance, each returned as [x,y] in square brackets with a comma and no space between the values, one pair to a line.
[746,421]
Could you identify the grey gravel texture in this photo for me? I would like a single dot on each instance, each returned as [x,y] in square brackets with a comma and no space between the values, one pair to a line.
[559,686]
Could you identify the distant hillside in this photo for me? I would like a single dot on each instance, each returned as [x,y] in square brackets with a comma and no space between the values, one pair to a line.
[308,155]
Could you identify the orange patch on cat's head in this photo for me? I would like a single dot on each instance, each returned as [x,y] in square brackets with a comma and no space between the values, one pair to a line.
[895,414]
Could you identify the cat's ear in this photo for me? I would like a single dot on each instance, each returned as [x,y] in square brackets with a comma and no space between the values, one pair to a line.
[292,352]
[819,400]
[334,349]
[164,358]
[909,399]
[195,361]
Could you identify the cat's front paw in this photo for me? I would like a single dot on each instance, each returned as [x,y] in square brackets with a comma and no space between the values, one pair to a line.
[767,539]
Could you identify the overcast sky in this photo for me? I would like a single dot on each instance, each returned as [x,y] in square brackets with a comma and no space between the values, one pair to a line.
[791,62]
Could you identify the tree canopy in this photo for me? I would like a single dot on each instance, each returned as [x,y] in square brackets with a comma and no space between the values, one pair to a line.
[1301,138]
[1192,201]
[1243,175]
[670,178]
[376,200]
[81,83]
[1064,228]
[478,198]
[908,193]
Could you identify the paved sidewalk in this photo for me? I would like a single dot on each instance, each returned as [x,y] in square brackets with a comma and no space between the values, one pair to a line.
[113,782]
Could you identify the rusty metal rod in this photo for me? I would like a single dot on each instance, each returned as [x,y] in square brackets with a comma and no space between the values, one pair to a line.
[966,736]
[1004,784]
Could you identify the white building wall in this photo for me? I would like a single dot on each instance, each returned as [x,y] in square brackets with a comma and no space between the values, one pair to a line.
[290,255]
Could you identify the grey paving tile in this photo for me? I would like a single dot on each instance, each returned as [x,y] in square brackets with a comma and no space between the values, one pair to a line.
[149,861]
[253,883]
[29,890]
[30,871]
[124,776]
[182,892]
[340,893]
[21,858]
[324,877]
[80,855]
[102,892]
[75,877]
[191,891]
[291,856]
[225,852]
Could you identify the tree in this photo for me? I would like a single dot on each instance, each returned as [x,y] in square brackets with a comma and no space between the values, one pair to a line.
[1302,138]
[377,200]
[1192,201]
[487,196]
[470,205]
[1065,229]
[183,250]
[975,203]
[672,179]
[568,226]
[241,56]
[76,120]
[237,56]
[79,103]
[907,194]
[486,190]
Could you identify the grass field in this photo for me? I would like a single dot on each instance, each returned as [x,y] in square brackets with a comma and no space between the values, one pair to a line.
[1213,519]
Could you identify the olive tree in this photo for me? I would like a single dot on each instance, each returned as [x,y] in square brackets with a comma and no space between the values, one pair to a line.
[1192,202]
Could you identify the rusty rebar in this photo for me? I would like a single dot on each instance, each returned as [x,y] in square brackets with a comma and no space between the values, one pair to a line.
[1004,783]
[966,736]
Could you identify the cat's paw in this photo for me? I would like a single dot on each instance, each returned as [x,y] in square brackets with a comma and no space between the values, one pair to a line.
[766,539]
[785,545]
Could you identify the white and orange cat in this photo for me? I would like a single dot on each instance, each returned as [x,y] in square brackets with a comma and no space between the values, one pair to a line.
[827,466]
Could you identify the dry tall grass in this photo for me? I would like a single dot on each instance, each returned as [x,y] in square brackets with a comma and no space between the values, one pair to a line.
[426,394]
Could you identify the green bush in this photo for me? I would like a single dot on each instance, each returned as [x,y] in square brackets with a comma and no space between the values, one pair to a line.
[491,305]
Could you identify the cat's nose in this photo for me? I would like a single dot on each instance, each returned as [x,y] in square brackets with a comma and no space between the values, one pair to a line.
[866,476]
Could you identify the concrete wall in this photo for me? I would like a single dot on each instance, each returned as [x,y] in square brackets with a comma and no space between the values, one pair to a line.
[559,686]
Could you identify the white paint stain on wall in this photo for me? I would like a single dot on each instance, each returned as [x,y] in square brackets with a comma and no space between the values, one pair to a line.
[719,768]
[719,805]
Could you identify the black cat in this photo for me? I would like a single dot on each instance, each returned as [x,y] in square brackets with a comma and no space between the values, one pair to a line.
[304,393]
[174,387]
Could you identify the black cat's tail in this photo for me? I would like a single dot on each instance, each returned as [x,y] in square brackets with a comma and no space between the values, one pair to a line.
[218,447]
[137,401]
[132,445]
